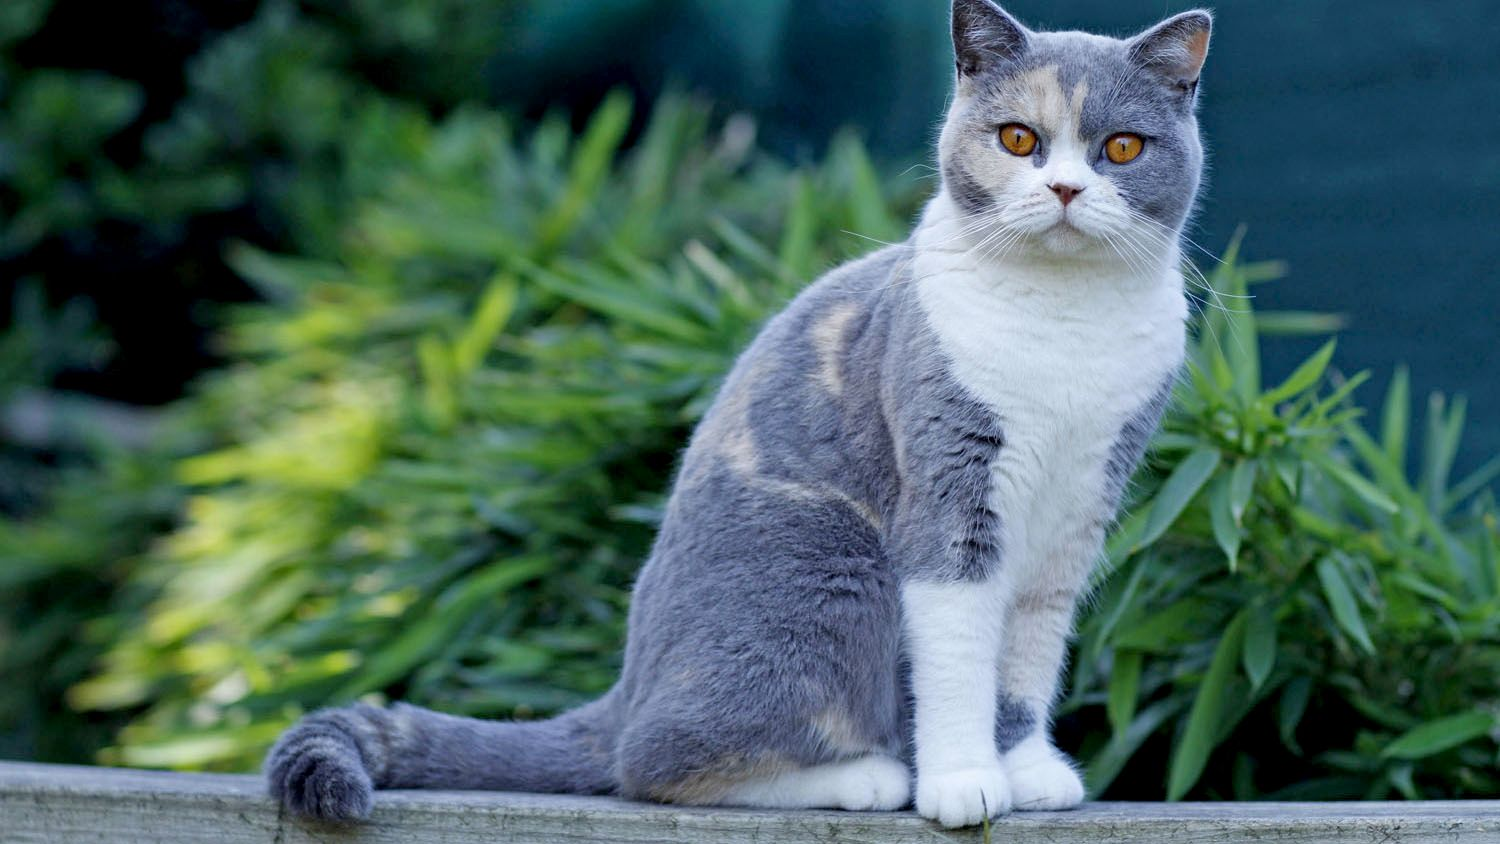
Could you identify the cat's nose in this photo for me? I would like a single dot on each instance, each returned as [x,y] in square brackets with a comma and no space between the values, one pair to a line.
[1065,192]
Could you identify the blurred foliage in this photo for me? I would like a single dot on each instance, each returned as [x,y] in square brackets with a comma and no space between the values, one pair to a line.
[447,428]
[1290,615]
[439,445]
[121,175]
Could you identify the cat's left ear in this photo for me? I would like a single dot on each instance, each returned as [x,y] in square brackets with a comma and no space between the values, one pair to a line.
[985,36]
[1176,48]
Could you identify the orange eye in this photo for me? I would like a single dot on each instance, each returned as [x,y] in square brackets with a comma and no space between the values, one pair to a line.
[1124,147]
[1017,139]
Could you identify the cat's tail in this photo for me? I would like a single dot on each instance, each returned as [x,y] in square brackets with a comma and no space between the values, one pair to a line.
[328,765]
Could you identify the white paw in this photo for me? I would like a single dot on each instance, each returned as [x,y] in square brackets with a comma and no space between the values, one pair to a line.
[963,798]
[875,784]
[1043,783]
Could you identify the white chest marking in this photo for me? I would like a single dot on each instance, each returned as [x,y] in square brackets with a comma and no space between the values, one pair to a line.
[1064,356]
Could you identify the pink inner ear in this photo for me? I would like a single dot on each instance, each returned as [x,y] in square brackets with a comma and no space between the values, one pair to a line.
[1197,47]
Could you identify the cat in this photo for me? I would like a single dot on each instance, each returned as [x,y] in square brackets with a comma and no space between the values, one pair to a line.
[865,578]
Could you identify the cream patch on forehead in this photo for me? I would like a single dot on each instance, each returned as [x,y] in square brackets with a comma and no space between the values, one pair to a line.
[1042,101]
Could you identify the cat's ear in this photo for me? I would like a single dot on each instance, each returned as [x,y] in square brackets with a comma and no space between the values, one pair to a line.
[1176,48]
[984,36]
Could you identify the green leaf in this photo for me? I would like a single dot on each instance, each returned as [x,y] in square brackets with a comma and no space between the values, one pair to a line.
[1108,762]
[1303,376]
[1355,483]
[1299,323]
[1473,484]
[1290,708]
[1290,473]
[867,205]
[489,319]
[799,232]
[1124,685]
[1221,517]
[1342,603]
[620,306]
[1161,629]
[1175,495]
[1444,428]
[1390,476]
[1118,600]
[1401,778]
[1395,417]
[1199,737]
[1434,737]
[1242,488]
[439,401]
[432,632]
[1242,348]
[589,168]
[1260,647]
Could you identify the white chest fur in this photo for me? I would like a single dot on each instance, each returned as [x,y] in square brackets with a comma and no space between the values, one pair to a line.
[1064,355]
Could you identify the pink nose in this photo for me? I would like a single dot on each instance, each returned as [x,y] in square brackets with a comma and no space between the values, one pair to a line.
[1065,193]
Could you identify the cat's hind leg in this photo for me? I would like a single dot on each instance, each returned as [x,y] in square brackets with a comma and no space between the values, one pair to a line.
[873,783]
[765,659]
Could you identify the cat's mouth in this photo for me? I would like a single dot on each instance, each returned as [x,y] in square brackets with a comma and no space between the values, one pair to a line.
[1066,225]
[1066,236]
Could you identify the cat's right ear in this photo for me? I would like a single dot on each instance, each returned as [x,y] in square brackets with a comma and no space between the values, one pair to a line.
[985,36]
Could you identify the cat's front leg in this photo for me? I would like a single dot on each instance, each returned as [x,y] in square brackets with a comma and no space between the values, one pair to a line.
[1043,778]
[953,636]
[1039,621]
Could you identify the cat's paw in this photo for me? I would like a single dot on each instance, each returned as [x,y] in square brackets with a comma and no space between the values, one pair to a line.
[875,784]
[315,770]
[1042,779]
[964,797]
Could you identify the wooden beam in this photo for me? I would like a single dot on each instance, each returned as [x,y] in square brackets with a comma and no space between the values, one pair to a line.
[59,804]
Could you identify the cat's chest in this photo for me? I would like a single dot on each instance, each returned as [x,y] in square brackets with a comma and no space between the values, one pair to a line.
[1062,373]
[1070,357]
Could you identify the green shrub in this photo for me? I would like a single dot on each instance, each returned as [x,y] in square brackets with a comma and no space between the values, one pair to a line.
[1289,612]
[445,441]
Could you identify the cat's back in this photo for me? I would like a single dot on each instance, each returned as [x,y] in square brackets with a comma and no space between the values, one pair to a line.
[811,367]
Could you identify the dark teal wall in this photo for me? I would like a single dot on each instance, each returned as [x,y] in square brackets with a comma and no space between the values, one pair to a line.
[1357,140]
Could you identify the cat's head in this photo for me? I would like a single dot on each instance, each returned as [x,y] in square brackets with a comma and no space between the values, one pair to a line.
[1074,143]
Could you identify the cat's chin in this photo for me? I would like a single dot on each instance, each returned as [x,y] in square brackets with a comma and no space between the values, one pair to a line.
[1066,240]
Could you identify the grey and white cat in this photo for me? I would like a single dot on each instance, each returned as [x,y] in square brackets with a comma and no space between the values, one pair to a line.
[867,572]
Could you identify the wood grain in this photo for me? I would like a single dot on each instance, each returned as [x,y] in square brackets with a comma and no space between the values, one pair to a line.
[60,804]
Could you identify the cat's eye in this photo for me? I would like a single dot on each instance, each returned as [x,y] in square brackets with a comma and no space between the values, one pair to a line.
[1124,147]
[1017,139]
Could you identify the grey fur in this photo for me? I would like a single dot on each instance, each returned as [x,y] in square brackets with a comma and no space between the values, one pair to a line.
[1015,721]
[965,189]
[984,37]
[840,460]
[1130,446]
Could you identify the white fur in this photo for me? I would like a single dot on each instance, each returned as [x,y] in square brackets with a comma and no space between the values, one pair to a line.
[1041,778]
[1064,352]
[868,784]
[950,628]
[1064,341]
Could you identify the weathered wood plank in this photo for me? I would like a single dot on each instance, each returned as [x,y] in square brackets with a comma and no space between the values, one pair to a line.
[62,804]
